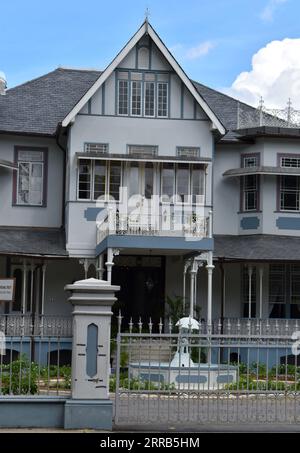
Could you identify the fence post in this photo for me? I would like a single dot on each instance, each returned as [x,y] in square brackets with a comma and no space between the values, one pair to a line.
[90,406]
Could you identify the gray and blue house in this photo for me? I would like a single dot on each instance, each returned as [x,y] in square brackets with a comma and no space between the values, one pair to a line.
[70,139]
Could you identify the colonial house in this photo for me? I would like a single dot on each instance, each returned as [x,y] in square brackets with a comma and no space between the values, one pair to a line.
[151,180]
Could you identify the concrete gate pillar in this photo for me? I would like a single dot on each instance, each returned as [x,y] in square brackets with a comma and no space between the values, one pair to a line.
[90,406]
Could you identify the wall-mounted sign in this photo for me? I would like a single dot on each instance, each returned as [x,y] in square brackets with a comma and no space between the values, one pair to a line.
[7,289]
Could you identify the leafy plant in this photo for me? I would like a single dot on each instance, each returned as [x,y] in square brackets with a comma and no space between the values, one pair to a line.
[20,377]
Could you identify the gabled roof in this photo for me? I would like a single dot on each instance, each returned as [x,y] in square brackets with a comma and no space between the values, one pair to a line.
[146,29]
[38,106]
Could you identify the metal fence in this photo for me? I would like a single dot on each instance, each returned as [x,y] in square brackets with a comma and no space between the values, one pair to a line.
[35,355]
[190,378]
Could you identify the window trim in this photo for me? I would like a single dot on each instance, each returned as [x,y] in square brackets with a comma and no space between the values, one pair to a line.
[278,197]
[242,198]
[43,150]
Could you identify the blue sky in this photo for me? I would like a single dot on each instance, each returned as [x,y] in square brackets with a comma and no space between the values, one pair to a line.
[214,40]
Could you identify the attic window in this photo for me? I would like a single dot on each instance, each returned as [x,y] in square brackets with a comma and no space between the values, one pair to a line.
[100,148]
[188,151]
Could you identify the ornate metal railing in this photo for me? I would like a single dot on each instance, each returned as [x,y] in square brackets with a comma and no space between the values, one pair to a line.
[247,327]
[186,225]
[263,116]
[36,325]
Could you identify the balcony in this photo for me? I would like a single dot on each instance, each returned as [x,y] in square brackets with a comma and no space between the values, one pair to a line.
[156,231]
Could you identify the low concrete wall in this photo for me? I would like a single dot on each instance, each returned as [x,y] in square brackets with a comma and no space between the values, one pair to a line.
[32,412]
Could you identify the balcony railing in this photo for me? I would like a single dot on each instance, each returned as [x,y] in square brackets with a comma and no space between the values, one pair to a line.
[35,325]
[168,225]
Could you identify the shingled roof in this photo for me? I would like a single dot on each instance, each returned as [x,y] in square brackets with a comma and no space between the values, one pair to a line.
[38,106]
[28,241]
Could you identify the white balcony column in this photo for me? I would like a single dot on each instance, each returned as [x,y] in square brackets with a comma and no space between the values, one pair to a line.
[111,253]
[24,287]
[44,268]
[250,274]
[210,268]
[261,275]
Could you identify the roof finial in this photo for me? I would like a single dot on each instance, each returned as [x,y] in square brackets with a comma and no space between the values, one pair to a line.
[147,15]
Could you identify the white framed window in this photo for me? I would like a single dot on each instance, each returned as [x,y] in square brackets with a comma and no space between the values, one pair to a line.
[143,150]
[144,94]
[188,151]
[99,179]
[184,181]
[100,148]
[162,99]
[250,185]
[149,104]
[30,179]
[123,97]
[290,162]
[136,98]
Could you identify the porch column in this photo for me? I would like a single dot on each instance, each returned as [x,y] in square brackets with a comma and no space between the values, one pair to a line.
[100,268]
[210,267]
[261,274]
[44,267]
[185,269]
[250,273]
[111,253]
[193,273]
[31,286]
[24,287]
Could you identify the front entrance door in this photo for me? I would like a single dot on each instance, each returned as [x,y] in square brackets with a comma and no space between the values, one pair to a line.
[142,281]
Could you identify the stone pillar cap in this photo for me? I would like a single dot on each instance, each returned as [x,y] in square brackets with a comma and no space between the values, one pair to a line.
[92,284]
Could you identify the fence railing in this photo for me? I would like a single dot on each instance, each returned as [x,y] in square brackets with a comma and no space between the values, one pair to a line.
[189,376]
[35,355]
[43,325]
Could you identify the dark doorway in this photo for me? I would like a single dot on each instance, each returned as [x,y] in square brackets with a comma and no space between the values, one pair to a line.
[142,282]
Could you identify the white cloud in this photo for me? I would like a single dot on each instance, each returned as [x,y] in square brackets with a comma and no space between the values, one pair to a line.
[199,51]
[193,53]
[275,75]
[267,14]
